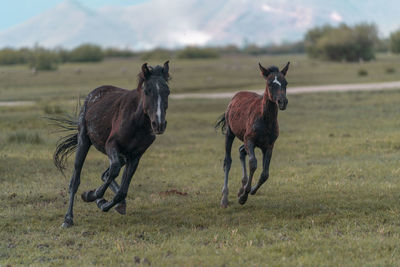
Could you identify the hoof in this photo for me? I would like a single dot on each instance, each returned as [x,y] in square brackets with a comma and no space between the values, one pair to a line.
[253,191]
[240,192]
[89,196]
[224,202]
[100,203]
[243,199]
[121,208]
[67,223]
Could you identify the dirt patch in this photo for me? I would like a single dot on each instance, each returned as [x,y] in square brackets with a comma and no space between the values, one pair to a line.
[172,192]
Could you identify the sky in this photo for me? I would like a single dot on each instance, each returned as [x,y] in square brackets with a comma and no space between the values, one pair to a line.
[145,24]
[13,12]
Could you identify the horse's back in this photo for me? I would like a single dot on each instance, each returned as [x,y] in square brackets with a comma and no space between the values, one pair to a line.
[245,98]
[105,93]
[102,105]
[242,110]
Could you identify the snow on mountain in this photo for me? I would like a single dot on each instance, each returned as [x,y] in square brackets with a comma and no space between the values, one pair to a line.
[176,23]
[68,24]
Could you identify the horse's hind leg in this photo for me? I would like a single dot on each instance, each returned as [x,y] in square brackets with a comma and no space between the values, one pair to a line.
[252,167]
[267,154]
[227,165]
[81,152]
[113,171]
[242,156]
[120,207]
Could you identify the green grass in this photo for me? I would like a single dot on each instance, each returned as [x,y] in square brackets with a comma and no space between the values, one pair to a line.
[332,197]
[232,73]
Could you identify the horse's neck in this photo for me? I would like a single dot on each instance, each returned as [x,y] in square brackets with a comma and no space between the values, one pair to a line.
[138,117]
[269,108]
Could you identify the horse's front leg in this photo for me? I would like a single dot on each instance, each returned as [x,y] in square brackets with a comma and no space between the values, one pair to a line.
[113,171]
[252,166]
[267,154]
[130,169]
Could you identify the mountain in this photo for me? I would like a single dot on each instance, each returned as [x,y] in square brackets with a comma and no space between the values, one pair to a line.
[176,23]
[68,24]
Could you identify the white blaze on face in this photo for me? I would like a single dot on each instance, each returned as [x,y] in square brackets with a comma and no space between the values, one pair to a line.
[276,81]
[158,104]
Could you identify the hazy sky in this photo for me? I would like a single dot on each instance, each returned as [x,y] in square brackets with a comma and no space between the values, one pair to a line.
[13,12]
[144,24]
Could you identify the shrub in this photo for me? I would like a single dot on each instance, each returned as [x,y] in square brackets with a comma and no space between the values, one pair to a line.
[383,45]
[115,52]
[157,53]
[343,42]
[362,72]
[50,109]
[9,56]
[193,52]
[86,53]
[63,54]
[390,70]
[253,49]
[43,59]
[228,50]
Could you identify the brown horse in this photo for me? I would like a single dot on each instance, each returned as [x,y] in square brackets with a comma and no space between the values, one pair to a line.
[121,124]
[254,120]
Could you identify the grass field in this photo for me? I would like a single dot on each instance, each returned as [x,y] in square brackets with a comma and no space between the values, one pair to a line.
[333,197]
[209,75]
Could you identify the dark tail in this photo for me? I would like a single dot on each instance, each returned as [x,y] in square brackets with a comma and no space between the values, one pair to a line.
[221,123]
[67,144]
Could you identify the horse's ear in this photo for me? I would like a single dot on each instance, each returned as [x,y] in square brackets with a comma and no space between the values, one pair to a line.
[265,72]
[166,70]
[145,71]
[285,69]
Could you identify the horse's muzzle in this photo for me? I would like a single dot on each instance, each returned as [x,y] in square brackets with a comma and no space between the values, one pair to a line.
[158,128]
[282,103]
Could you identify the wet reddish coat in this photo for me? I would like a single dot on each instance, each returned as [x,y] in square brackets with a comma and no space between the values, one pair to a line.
[251,116]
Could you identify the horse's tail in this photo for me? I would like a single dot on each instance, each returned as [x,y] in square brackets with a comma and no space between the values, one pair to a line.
[66,144]
[221,123]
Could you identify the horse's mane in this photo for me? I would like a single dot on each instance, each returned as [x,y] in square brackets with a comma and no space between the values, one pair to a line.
[156,71]
[273,69]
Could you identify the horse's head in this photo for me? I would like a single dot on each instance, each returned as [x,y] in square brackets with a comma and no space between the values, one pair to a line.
[154,89]
[276,84]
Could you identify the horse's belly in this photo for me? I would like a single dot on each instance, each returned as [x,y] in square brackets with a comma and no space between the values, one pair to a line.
[98,129]
[98,137]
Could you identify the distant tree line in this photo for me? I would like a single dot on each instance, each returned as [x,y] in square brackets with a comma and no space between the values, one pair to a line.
[341,43]
[41,58]
[48,59]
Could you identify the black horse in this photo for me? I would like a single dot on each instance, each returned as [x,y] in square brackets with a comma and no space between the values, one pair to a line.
[121,124]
